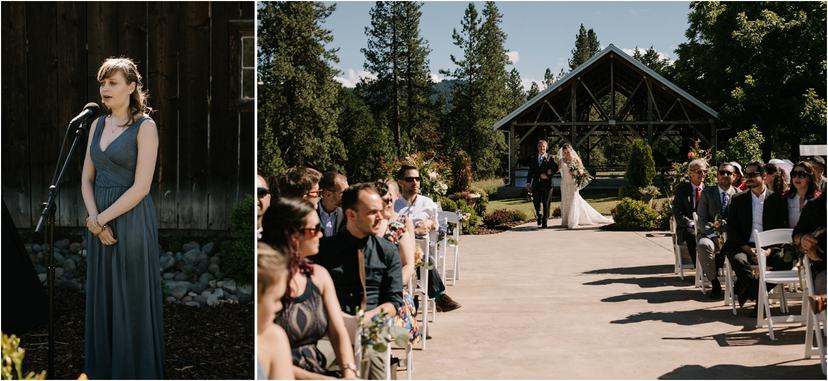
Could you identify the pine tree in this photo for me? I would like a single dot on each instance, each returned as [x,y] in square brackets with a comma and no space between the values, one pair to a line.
[548,77]
[297,111]
[398,55]
[586,45]
[369,143]
[516,94]
[533,90]
[482,96]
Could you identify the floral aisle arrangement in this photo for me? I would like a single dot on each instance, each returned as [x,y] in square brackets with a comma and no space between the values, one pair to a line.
[378,333]
[719,227]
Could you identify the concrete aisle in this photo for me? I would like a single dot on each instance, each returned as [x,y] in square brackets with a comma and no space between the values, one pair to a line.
[593,304]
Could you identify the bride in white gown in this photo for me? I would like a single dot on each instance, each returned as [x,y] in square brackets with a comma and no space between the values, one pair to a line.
[575,211]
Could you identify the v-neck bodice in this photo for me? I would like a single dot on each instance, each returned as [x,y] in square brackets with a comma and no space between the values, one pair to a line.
[115,165]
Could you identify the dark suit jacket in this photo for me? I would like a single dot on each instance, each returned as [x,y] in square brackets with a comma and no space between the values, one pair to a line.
[812,218]
[340,217]
[710,206]
[547,166]
[683,210]
[740,220]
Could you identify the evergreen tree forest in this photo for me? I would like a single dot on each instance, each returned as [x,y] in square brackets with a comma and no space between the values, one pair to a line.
[757,63]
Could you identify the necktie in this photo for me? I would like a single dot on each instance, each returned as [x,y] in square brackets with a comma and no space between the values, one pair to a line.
[698,198]
[725,200]
[540,160]
[361,256]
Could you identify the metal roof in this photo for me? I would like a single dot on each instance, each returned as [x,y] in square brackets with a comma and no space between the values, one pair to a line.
[609,49]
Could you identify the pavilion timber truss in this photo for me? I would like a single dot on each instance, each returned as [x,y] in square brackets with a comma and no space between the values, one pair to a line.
[611,96]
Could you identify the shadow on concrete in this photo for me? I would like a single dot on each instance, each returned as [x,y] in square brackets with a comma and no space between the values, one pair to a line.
[749,336]
[644,282]
[692,317]
[637,270]
[733,371]
[658,297]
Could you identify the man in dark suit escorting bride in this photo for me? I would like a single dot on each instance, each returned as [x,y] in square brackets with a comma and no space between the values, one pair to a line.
[539,181]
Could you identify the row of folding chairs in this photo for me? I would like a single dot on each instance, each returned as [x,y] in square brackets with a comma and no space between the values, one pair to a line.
[786,285]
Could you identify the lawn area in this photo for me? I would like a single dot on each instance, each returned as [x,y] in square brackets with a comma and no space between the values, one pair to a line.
[603,202]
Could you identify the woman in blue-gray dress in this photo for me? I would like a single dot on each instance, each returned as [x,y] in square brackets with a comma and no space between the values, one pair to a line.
[124,306]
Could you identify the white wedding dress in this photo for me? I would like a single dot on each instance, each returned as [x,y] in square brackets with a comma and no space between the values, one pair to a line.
[575,211]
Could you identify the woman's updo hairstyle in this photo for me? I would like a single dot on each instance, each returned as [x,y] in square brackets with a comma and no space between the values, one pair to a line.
[138,98]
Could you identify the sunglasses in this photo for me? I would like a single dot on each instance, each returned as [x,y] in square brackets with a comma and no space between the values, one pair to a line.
[701,172]
[314,193]
[411,179]
[801,174]
[315,230]
[725,173]
[387,200]
[753,174]
[261,192]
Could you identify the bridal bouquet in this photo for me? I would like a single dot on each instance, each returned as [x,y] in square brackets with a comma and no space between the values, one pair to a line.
[581,175]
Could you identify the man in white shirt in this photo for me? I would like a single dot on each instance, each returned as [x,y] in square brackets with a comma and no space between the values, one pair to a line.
[714,204]
[423,214]
[747,213]
[331,216]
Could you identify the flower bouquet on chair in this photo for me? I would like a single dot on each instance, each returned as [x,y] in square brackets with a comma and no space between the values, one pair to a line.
[719,227]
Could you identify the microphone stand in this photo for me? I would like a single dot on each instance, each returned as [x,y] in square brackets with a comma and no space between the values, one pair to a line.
[47,216]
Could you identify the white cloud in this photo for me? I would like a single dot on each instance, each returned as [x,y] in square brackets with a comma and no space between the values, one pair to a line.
[514,56]
[437,77]
[661,55]
[350,77]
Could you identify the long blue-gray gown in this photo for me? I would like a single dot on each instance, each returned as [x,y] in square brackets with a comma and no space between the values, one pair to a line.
[124,305]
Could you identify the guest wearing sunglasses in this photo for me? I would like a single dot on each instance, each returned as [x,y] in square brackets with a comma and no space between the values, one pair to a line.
[818,164]
[262,202]
[804,189]
[301,182]
[750,211]
[422,211]
[685,202]
[332,185]
[311,307]
[714,204]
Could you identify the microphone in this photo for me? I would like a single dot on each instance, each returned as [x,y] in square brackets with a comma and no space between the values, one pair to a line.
[90,111]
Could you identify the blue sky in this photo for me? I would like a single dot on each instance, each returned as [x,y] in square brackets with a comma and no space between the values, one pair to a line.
[539,34]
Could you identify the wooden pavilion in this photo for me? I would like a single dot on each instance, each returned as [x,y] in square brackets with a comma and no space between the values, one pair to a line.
[611,96]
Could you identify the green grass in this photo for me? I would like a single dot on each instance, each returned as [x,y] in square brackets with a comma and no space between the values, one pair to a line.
[488,185]
[603,202]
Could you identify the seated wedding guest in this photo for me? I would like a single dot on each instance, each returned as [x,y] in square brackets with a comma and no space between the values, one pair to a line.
[400,231]
[818,162]
[748,211]
[273,358]
[739,183]
[365,267]
[300,182]
[332,185]
[422,211]
[775,178]
[809,235]
[311,308]
[263,202]
[803,190]
[714,206]
[685,202]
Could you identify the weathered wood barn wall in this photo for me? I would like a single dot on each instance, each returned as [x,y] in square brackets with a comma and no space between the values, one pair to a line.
[191,57]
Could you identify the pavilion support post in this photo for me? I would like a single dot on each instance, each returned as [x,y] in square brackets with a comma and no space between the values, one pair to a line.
[512,155]
[649,112]
[612,86]
[574,102]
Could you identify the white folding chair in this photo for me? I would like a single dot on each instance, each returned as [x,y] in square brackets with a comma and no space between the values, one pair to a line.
[451,218]
[677,251]
[777,278]
[730,297]
[816,320]
[422,289]
[353,324]
[698,280]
